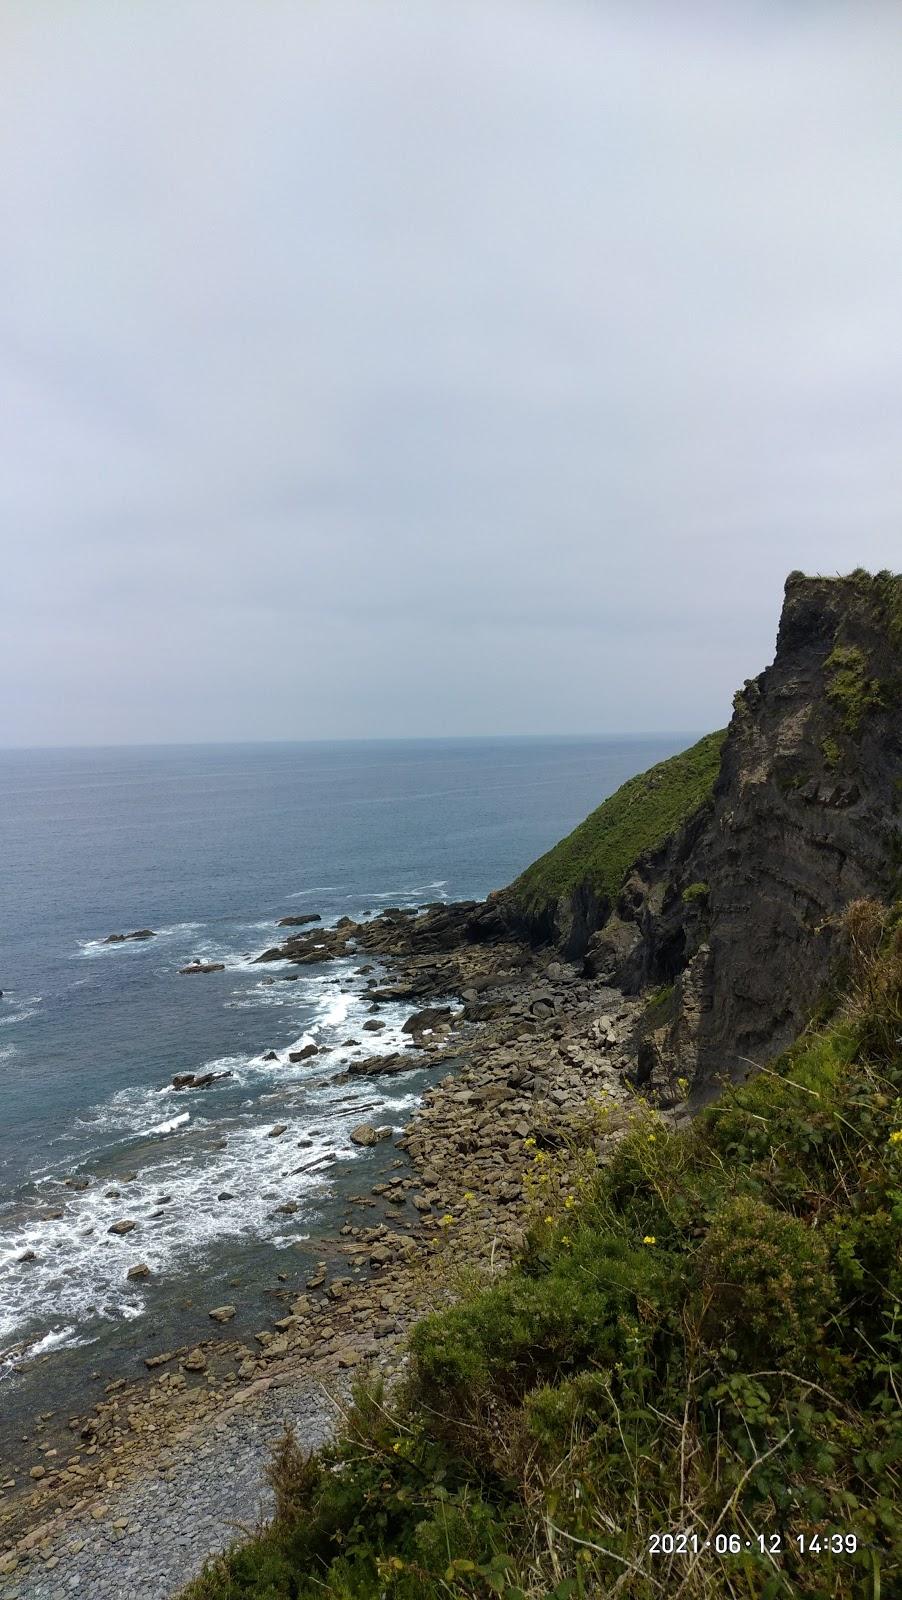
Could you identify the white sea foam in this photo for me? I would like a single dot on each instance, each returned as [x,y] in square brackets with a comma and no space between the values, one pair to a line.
[101,947]
[172,1124]
[405,893]
[13,1010]
[202,1145]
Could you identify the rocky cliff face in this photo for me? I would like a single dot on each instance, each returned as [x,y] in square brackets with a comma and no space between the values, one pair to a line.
[739,908]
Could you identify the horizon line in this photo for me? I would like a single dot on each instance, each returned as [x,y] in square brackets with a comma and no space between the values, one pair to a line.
[415,738]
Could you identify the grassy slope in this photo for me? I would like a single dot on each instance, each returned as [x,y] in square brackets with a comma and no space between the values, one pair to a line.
[702,1336]
[637,818]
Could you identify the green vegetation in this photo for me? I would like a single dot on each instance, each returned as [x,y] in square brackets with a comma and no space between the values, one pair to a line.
[638,818]
[831,751]
[850,687]
[695,892]
[702,1337]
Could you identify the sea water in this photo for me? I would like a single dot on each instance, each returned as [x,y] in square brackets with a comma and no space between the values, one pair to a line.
[209,846]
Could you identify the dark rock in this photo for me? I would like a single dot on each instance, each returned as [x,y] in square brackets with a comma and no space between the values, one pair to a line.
[375,1066]
[428,1020]
[202,966]
[299,922]
[197,1080]
[122,938]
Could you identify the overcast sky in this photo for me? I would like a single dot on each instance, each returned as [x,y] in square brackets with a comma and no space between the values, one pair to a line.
[479,366]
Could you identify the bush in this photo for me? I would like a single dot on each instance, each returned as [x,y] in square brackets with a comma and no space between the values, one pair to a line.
[763,1285]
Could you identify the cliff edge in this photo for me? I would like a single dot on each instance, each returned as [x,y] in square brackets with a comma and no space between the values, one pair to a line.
[720,875]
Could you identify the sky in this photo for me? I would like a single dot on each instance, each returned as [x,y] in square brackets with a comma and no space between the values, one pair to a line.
[375,369]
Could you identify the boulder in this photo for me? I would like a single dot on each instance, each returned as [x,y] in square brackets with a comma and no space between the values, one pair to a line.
[370,1066]
[299,922]
[125,1226]
[142,1270]
[222,1313]
[122,938]
[196,1361]
[304,1054]
[203,966]
[364,1135]
[428,1020]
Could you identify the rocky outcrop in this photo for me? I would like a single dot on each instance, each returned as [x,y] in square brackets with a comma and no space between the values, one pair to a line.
[123,938]
[806,819]
[739,909]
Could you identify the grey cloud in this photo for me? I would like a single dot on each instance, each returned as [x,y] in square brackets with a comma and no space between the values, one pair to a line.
[468,367]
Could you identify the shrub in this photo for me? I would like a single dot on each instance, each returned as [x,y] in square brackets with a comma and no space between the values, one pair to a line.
[763,1284]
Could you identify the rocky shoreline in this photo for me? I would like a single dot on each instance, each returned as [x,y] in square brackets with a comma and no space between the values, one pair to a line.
[532,1045]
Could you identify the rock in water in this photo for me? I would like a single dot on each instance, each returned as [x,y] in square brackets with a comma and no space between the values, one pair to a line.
[222,1313]
[365,1134]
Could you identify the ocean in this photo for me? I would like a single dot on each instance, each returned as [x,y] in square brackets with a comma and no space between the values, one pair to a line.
[209,846]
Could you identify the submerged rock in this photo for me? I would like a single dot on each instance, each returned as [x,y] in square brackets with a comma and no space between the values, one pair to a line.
[197,1080]
[122,938]
[202,966]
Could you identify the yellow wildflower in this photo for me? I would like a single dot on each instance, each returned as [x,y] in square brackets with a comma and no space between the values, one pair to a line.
[649,1239]
[549,1219]
[569,1203]
[896,1138]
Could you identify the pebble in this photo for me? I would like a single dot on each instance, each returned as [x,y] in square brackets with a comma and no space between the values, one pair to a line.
[115,1550]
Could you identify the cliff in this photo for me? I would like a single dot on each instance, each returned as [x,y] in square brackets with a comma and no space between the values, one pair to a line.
[723,872]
